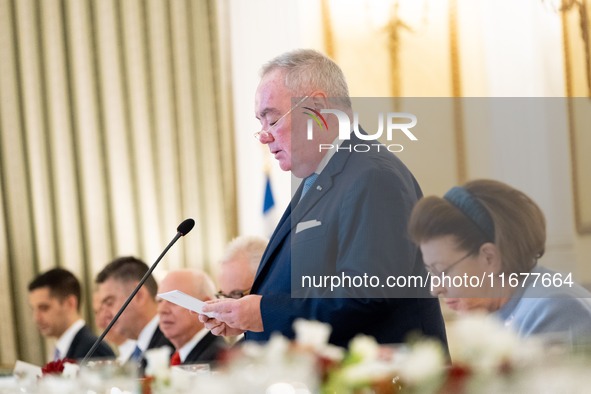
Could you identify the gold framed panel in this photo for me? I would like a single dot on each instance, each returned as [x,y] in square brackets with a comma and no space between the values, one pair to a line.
[577,64]
[387,49]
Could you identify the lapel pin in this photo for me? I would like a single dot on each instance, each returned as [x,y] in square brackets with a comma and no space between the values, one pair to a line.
[318,187]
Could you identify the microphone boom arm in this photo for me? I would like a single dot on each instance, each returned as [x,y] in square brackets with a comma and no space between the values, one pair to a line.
[182,230]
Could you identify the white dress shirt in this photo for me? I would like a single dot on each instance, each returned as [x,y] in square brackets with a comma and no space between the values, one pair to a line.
[143,340]
[126,349]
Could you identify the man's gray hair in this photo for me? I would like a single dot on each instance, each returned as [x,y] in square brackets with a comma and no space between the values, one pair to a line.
[249,246]
[307,70]
[204,286]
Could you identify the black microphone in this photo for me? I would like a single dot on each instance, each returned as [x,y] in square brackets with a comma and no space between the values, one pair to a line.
[182,230]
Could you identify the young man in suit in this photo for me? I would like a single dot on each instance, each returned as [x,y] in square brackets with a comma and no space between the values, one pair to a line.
[194,343]
[139,321]
[347,218]
[54,297]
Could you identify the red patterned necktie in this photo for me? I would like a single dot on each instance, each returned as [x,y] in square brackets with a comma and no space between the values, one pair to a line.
[176,359]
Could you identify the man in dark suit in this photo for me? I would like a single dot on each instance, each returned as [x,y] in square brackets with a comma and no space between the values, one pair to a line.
[54,297]
[194,343]
[139,321]
[347,219]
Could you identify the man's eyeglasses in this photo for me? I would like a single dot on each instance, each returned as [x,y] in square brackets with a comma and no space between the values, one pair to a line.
[434,272]
[236,294]
[265,133]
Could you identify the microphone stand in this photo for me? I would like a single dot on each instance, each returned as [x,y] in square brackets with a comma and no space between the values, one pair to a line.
[142,281]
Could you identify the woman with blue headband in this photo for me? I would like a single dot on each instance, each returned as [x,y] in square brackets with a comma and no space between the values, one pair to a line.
[481,243]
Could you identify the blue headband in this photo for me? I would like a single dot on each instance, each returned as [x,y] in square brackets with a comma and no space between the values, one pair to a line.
[472,209]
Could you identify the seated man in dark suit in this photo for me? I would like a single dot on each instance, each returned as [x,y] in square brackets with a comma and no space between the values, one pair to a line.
[238,268]
[239,265]
[194,343]
[123,346]
[139,321]
[55,299]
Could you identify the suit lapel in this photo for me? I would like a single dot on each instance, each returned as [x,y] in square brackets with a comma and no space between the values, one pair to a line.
[200,347]
[322,185]
[291,218]
[158,340]
[72,349]
[277,238]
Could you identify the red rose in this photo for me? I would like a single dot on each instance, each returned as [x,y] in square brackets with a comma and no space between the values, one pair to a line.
[56,367]
[459,372]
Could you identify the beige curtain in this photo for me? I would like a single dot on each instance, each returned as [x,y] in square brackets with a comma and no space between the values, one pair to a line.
[114,128]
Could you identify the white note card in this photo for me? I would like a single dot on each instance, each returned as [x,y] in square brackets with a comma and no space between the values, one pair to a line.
[25,368]
[186,301]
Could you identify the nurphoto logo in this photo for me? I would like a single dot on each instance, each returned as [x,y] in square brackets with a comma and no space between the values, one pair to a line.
[395,121]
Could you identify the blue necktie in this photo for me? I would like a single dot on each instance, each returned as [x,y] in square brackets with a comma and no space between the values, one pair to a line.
[136,355]
[56,355]
[308,183]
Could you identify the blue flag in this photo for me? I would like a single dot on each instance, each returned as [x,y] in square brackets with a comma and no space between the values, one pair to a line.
[269,201]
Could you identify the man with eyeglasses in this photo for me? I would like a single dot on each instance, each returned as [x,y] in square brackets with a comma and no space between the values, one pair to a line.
[347,217]
[239,265]
[238,268]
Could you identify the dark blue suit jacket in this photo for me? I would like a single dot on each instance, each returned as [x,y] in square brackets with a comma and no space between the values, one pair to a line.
[83,341]
[158,340]
[363,201]
[206,350]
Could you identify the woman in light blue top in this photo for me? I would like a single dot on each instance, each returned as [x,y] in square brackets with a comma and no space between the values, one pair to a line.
[481,243]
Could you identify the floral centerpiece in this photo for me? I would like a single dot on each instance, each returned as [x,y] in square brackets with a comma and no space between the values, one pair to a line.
[311,364]
[487,358]
[482,352]
[58,377]
[481,348]
[362,369]
[157,370]
[65,367]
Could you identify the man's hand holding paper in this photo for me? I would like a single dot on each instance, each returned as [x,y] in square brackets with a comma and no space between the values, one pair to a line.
[233,317]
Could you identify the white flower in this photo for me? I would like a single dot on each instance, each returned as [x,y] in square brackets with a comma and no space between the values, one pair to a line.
[364,347]
[332,352]
[70,371]
[425,360]
[313,334]
[252,349]
[366,372]
[158,362]
[276,349]
[482,342]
